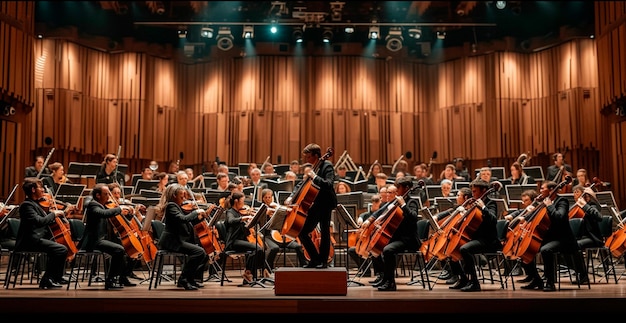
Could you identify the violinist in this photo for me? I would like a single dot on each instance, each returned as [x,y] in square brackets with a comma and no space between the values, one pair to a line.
[320,212]
[179,235]
[403,238]
[294,166]
[581,178]
[97,211]
[108,171]
[255,181]
[34,234]
[484,239]
[163,182]
[558,238]
[376,169]
[237,218]
[33,171]
[267,196]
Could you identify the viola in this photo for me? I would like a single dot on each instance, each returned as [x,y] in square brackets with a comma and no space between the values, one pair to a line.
[576,211]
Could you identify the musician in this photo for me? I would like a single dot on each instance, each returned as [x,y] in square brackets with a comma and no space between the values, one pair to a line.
[163,182]
[558,238]
[402,239]
[527,197]
[590,236]
[460,169]
[364,216]
[237,218]
[380,182]
[172,170]
[56,178]
[147,174]
[33,171]
[581,178]
[291,176]
[446,188]
[420,172]
[555,169]
[193,180]
[267,196]
[222,181]
[34,234]
[449,173]
[257,183]
[95,236]
[323,205]
[342,188]
[341,173]
[179,235]
[108,171]
[484,239]
[455,273]
[518,176]
[294,166]
[376,169]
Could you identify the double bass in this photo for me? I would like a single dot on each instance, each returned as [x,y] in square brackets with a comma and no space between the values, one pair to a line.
[467,224]
[303,199]
[528,236]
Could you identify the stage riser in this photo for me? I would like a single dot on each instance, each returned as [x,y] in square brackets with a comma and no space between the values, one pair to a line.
[306,281]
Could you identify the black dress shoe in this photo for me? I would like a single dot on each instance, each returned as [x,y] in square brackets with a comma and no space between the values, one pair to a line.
[380,283]
[452,280]
[311,265]
[186,285]
[528,279]
[444,275]
[47,283]
[110,285]
[388,286]
[472,286]
[584,280]
[459,284]
[321,266]
[534,284]
[549,287]
[62,281]
[125,282]
[196,284]
[379,277]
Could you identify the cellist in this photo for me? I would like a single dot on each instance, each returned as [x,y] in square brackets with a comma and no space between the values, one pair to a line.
[97,211]
[484,239]
[403,238]
[590,236]
[34,234]
[558,238]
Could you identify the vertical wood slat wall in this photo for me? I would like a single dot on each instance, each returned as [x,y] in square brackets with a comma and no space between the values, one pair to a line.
[158,109]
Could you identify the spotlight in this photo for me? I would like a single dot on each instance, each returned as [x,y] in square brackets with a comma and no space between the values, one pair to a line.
[500,4]
[11,111]
[327,35]
[441,35]
[224,39]
[182,33]
[374,32]
[248,32]
[415,33]
[206,32]
[394,39]
[298,34]
[349,30]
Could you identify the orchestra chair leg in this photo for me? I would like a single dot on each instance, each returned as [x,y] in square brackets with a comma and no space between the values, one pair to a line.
[23,263]
[496,262]
[234,256]
[604,256]
[162,258]
[421,267]
[87,263]
[562,262]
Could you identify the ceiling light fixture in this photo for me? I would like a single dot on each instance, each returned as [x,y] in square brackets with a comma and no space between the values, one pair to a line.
[394,39]
[327,35]
[248,32]
[415,33]
[298,35]
[224,39]
[206,32]
[374,32]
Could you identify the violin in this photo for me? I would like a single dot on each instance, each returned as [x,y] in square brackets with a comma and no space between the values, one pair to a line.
[576,211]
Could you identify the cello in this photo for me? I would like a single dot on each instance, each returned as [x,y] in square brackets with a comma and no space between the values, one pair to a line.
[617,241]
[436,243]
[127,235]
[466,224]
[387,223]
[303,197]
[149,247]
[529,235]
[316,237]
[60,228]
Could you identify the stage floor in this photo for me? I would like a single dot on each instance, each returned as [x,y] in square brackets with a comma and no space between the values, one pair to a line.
[360,301]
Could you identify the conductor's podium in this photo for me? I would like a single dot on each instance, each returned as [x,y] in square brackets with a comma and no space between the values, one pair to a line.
[310,281]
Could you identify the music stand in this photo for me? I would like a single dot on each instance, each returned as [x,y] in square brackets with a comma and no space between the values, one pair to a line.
[356,186]
[70,193]
[514,192]
[150,194]
[276,222]
[354,198]
[346,220]
[536,172]
[444,203]
[259,216]
[145,184]
[214,196]
[75,170]
[91,170]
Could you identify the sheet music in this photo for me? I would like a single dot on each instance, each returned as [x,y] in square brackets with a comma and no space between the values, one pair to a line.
[346,216]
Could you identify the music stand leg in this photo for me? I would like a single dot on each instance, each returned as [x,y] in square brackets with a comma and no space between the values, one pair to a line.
[360,272]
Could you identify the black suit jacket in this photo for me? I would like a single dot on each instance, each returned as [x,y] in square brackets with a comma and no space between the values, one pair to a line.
[34,225]
[178,227]
[326,198]
[96,216]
